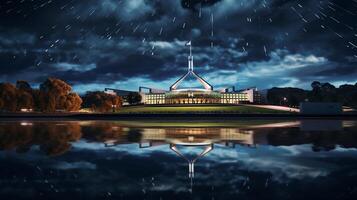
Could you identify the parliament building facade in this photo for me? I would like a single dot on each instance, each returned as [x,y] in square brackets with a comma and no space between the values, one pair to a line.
[179,94]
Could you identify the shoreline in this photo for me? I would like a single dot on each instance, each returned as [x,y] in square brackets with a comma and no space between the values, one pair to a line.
[160,116]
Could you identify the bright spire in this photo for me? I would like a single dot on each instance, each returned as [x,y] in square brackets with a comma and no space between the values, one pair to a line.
[190,57]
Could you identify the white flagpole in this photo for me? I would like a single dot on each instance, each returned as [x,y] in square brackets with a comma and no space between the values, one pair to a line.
[190,58]
[189,44]
[190,49]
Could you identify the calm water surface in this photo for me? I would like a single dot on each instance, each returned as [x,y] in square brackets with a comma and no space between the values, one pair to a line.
[309,159]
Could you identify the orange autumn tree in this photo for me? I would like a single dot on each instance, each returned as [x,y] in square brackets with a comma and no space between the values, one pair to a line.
[70,102]
[56,94]
[8,97]
[25,95]
[24,100]
[15,98]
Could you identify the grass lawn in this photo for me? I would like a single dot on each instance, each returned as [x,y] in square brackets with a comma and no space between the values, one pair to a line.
[198,109]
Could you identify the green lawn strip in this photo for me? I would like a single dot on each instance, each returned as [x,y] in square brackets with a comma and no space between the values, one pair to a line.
[198,109]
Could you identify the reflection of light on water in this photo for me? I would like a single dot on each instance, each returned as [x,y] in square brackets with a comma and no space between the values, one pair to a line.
[110,142]
[349,123]
[190,135]
[278,125]
[191,143]
[61,124]
[85,123]
[26,124]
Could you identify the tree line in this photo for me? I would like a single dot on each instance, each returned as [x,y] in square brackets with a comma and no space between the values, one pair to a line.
[53,95]
[320,92]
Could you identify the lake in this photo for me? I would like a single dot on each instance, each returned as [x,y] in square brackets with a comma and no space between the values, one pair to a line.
[173,159]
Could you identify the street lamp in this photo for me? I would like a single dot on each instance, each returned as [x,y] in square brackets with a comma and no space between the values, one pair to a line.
[114,106]
[284,99]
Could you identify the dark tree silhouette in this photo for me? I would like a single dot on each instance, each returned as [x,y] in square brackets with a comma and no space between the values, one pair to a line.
[101,101]
[23,85]
[286,96]
[134,98]
[321,92]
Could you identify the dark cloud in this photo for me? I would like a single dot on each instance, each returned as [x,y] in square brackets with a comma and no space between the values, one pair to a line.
[338,71]
[145,39]
[132,65]
[197,4]
[15,63]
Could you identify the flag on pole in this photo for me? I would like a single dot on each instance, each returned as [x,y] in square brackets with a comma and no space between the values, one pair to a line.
[188,43]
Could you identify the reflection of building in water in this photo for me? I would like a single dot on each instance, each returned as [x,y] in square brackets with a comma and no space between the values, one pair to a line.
[276,134]
[225,136]
[195,137]
[191,162]
[55,137]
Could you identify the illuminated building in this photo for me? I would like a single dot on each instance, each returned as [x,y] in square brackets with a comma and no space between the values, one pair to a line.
[205,94]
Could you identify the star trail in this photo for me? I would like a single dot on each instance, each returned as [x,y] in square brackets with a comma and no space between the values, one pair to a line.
[128,43]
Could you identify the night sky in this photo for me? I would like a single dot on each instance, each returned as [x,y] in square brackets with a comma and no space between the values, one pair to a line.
[125,44]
